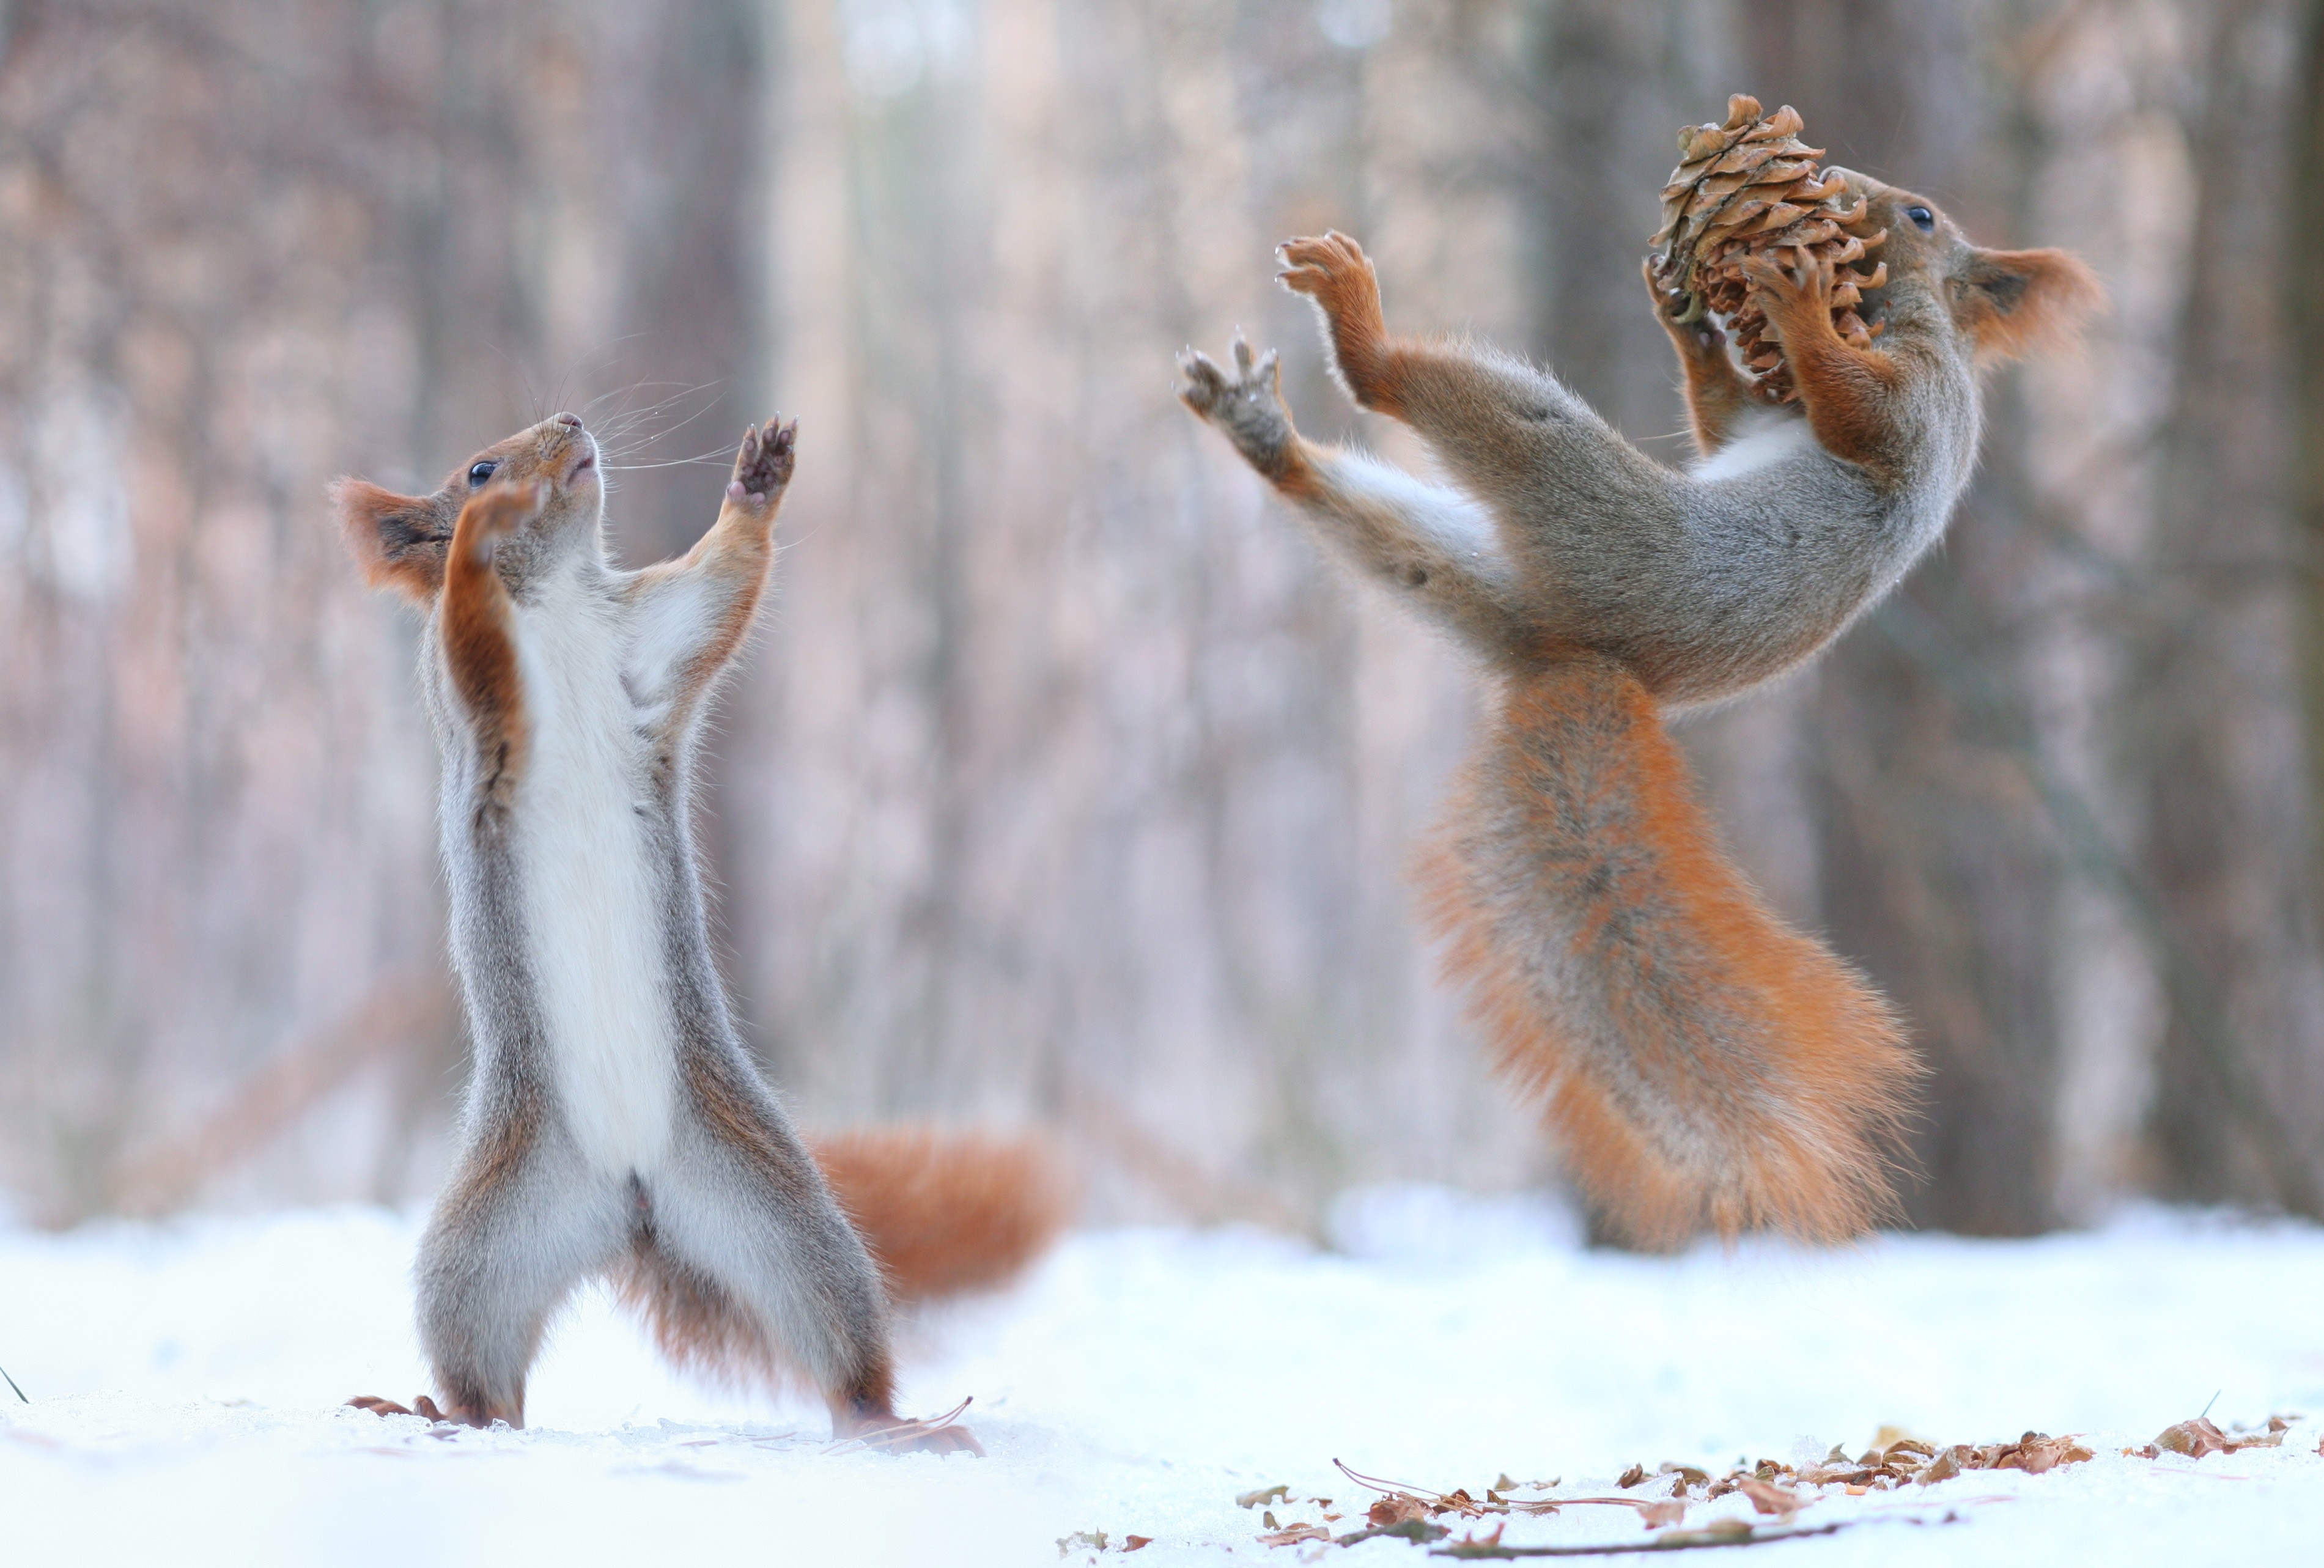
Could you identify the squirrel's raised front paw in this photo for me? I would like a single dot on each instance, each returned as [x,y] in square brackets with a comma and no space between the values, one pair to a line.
[1334,272]
[1330,268]
[495,512]
[1682,315]
[763,464]
[1807,283]
[1248,405]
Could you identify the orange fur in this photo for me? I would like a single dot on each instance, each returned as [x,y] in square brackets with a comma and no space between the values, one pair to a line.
[1295,473]
[2012,302]
[397,540]
[695,1321]
[1727,1070]
[1716,394]
[1334,272]
[1849,393]
[944,1213]
[479,643]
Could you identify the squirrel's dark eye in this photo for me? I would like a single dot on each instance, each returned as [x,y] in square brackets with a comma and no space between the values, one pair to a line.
[1922,217]
[480,472]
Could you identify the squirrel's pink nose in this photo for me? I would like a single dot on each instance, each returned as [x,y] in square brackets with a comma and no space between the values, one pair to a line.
[571,420]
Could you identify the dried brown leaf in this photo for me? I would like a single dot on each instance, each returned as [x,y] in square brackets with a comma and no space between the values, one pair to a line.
[1657,1515]
[1394,1508]
[2036,1454]
[2199,1436]
[2194,1439]
[1134,1542]
[1294,1535]
[1632,1477]
[1767,1497]
[1266,1494]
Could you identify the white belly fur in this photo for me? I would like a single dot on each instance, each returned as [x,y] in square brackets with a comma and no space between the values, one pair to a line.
[596,948]
[1766,437]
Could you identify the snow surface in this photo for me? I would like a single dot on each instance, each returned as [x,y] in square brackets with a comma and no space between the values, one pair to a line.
[185,1381]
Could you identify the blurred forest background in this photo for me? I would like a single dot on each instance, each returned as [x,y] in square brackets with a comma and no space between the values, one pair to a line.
[1068,786]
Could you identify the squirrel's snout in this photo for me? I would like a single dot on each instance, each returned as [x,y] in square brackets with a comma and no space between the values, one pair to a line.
[571,420]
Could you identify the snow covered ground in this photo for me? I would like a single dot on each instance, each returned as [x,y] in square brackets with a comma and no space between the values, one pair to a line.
[185,1381]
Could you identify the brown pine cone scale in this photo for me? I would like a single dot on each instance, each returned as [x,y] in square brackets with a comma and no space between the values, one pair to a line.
[1743,189]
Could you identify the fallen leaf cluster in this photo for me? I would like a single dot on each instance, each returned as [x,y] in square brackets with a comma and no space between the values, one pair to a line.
[1891,1464]
[2199,1436]
[1406,1513]
[1095,1541]
[1399,1503]
[1776,1490]
[1749,188]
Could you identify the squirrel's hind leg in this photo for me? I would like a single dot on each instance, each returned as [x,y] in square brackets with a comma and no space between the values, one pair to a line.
[521,1224]
[758,1270]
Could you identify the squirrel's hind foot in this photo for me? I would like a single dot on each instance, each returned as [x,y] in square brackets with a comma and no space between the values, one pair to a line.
[923,1437]
[891,1433]
[1247,405]
[421,1406]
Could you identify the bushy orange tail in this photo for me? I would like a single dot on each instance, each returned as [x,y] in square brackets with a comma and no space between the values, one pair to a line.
[1704,1064]
[944,1213]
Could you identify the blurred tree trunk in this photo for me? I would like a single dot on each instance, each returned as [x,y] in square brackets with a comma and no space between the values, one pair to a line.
[254,245]
[1087,785]
[689,192]
[1076,784]
[2305,306]
[1935,862]
[686,222]
[2222,752]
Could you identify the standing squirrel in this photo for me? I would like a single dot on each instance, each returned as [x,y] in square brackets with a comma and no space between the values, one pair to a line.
[1704,1063]
[615,1126]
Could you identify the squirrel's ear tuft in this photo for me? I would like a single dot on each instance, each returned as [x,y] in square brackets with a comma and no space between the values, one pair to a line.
[2011,302]
[398,540]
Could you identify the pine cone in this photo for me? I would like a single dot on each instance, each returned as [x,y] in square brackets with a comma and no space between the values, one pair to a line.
[1751,186]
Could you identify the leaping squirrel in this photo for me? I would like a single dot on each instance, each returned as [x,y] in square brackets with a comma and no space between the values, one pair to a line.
[615,1126]
[1704,1063]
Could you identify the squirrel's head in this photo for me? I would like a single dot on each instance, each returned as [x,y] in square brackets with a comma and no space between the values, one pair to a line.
[400,540]
[2004,302]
